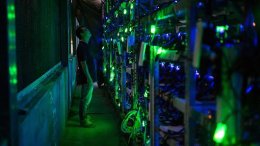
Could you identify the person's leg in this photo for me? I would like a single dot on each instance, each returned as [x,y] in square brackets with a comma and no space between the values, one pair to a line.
[82,102]
[86,96]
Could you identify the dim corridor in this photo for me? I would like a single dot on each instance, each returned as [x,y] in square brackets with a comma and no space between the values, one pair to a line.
[107,131]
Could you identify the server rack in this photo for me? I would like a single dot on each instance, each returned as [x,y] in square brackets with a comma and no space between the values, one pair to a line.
[198,27]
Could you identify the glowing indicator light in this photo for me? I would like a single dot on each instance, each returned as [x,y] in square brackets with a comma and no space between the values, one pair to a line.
[131,6]
[197,73]
[221,29]
[112,77]
[153,29]
[162,64]
[249,89]
[220,132]
[143,124]
[160,51]
[126,30]
[177,68]
[146,93]
[254,24]
[11,12]
[125,11]
[172,66]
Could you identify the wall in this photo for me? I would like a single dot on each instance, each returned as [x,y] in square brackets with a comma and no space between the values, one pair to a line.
[43,119]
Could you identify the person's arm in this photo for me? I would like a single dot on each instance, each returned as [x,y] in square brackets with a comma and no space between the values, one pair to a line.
[85,70]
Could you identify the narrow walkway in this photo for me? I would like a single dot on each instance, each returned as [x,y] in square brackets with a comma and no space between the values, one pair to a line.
[107,131]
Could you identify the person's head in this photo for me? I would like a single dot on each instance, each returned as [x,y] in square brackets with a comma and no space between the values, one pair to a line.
[83,33]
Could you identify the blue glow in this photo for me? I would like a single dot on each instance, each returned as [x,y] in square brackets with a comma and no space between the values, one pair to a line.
[241,27]
[179,34]
[200,4]
[162,64]
[249,89]
[177,68]
[172,66]
[210,77]
[197,73]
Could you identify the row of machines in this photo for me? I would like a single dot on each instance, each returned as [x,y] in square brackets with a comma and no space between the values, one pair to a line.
[184,72]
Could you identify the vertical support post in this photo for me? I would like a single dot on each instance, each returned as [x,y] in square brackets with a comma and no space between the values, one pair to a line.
[8,75]
[64,31]
[156,93]
[153,76]
[123,80]
[152,99]
[190,76]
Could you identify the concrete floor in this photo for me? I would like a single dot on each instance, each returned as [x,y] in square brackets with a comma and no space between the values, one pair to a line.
[107,131]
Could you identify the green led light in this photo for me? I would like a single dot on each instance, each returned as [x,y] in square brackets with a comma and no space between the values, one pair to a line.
[118,104]
[130,29]
[153,29]
[143,124]
[13,70]
[221,29]
[103,48]
[160,51]
[146,93]
[126,30]
[122,39]
[125,11]
[13,81]
[112,75]
[131,6]
[220,132]
[11,12]
[13,74]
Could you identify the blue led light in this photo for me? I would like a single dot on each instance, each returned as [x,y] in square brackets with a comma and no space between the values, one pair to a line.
[249,89]
[179,34]
[210,77]
[171,66]
[177,68]
[162,64]
[200,4]
[197,73]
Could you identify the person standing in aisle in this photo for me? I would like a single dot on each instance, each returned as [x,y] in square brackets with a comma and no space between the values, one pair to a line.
[85,74]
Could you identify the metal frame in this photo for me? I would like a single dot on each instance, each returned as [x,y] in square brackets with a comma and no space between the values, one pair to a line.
[8,75]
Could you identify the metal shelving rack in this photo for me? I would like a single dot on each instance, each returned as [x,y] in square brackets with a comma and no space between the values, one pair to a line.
[195,112]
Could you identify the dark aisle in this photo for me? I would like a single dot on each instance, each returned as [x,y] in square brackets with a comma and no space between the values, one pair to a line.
[107,131]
